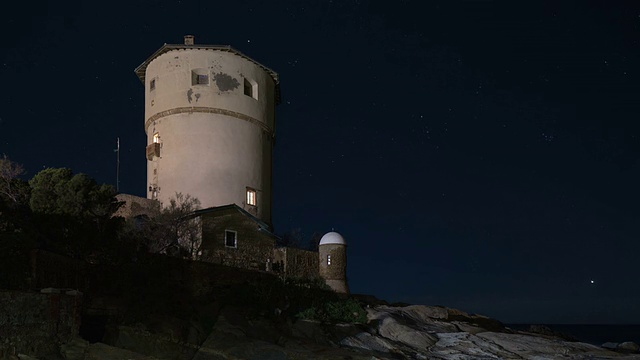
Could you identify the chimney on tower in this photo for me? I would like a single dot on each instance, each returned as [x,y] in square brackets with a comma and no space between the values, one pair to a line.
[189,39]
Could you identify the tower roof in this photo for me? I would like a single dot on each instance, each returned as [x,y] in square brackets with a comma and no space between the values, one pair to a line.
[142,69]
[332,238]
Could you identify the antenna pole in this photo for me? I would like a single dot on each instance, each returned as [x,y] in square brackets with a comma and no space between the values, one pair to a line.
[118,166]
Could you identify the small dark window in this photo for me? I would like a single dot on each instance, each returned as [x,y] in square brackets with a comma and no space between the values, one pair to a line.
[152,85]
[248,88]
[203,79]
[199,77]
[230,238]
[251,88]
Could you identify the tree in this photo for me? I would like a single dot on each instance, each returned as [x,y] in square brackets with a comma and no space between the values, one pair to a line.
[74,214]
[59,191]
[295,238]
[13,191]
[16,234]
[292,238]
[14,200]
[176,228]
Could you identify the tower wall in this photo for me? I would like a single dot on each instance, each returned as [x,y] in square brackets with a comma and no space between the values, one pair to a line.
[215,140]
[335,272]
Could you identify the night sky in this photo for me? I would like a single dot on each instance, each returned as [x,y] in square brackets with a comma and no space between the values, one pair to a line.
[478,155]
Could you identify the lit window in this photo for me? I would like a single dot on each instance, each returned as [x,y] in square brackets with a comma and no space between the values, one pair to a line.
[250,88]
[152,85]
[230,238]
[251,197]
[156,138]
[199,77]
[328,259]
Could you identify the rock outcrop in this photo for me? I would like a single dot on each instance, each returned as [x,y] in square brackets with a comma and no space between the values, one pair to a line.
[407,332]
[391,332]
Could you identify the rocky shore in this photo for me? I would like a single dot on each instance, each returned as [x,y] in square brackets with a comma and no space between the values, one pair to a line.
[392,332]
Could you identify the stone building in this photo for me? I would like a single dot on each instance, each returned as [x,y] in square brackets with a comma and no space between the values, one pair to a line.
[210,125]
[232,236]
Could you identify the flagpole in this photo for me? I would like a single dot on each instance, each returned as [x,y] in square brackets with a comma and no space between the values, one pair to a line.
[118,167]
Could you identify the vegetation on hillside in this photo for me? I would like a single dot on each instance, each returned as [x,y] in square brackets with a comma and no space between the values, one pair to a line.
[72,215]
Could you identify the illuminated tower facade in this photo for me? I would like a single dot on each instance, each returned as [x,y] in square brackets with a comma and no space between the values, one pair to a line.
[210,125]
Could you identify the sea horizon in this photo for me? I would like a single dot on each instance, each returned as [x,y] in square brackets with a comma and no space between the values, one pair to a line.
[595,334]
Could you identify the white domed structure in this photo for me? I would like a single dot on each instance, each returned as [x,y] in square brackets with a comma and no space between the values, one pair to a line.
[332,252]
[332,238]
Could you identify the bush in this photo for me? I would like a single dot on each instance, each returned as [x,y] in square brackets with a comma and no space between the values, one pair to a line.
[339,311]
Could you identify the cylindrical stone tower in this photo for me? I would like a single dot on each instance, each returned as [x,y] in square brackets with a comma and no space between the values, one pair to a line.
[332,251]
[210,124]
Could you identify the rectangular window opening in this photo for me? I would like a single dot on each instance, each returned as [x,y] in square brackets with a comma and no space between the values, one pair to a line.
[152,85]
[248,89]
[199,77]
[156,138]
[251,88]
[251,197]
[230,238]
[328,259]
[203,79]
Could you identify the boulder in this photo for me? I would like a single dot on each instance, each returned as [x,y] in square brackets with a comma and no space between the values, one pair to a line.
[99,351]
[628,346]
[425,313]
[529,347]
[466,327]
[74,349]
[367,341]
[161,345]
[391,329]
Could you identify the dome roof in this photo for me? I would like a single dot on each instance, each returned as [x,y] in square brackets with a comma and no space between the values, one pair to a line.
[332,238]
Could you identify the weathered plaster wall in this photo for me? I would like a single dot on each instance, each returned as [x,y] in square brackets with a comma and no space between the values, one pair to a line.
[215,141]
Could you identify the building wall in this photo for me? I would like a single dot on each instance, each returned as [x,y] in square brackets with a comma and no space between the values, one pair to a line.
[254,248]
[135,206]
[297,263]
[335,273]
[215,141]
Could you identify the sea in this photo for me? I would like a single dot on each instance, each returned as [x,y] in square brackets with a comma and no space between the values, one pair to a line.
[593,334]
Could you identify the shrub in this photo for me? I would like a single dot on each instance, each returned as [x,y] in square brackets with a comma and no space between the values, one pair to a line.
[339,311]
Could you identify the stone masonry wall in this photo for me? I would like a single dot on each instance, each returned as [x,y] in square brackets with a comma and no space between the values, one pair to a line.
[135,206]
[36,324]
[297,263]
[338,268]
[254,249]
